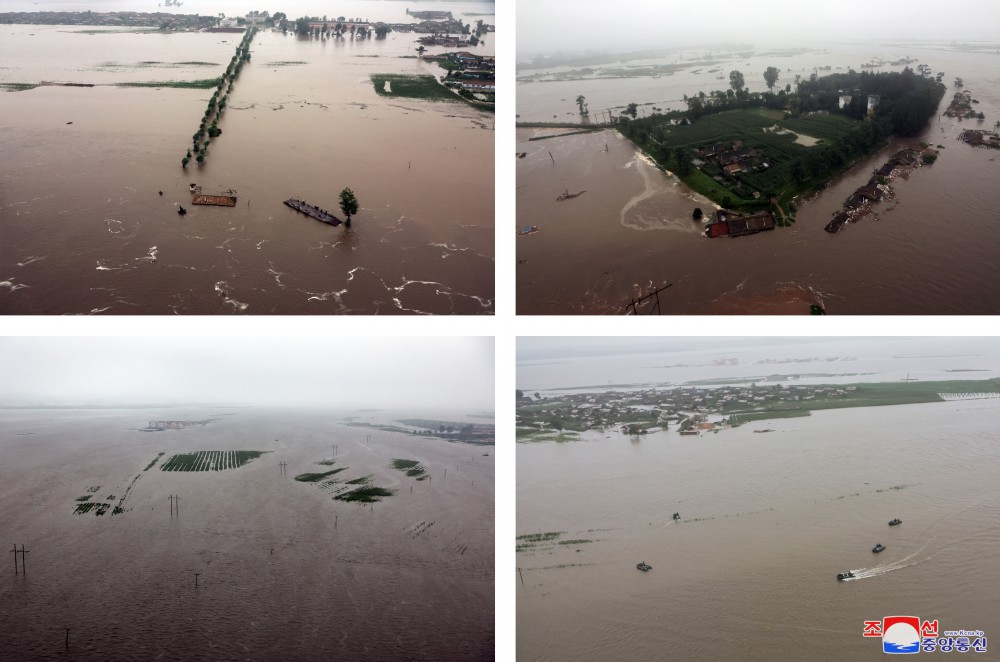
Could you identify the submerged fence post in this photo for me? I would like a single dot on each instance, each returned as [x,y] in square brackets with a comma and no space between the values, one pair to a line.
[67,638]
[196,579]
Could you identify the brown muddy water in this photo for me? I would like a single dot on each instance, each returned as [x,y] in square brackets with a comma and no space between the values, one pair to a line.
[930,252]
[83,228]
[284,571]
[767,521]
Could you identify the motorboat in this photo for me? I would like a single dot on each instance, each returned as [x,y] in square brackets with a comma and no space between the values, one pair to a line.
[677,515]
[895,521]
[845,575]
[878,547]
[642,565]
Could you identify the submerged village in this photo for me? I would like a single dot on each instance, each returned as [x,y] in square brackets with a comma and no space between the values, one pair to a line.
[695,409]
[691,410]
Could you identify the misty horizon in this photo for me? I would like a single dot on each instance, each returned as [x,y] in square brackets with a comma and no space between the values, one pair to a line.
[559,25]
[552,348]
[341,374]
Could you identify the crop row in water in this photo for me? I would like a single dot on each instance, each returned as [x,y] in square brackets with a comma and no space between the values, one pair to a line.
[316,477]
[150,465]
[97,508]
[366,494]
[413,468]
[210,460]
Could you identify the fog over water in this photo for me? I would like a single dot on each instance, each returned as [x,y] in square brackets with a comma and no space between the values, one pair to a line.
[651,24]
[554,363]
[306,371]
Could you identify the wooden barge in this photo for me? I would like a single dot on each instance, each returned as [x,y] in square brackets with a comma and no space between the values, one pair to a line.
[215,200]
[313,211]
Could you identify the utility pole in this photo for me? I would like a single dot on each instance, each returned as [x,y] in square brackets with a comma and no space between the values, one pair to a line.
[196,579]
[67,638]
[24,558]
[655,294]
[171,499]
[521,576]
[15,552]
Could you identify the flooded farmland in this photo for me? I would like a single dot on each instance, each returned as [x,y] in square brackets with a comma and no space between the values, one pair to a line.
[927,252]
[85,228]
[284,570]
[768,512]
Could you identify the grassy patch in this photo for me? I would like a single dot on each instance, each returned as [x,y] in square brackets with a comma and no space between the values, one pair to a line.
[411,86]
[364,480]
[315,478]
[18,87]
[327,463]
[93,488]
[368,494]
[574,542]
[85,497]
[203,84]
[210,460]
[540,537]
[285,63]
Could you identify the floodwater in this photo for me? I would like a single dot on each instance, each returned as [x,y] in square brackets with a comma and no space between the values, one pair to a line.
[767,521]
[84,229]
[284,572]
[928,252]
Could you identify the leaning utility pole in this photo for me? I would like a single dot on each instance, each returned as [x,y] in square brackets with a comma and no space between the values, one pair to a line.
[633,305]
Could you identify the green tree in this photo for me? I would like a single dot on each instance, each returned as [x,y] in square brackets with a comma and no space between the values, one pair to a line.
[581,101]
[771,77]
[520,394]
[683,162]
[632,110]
[348,205]
[736,81]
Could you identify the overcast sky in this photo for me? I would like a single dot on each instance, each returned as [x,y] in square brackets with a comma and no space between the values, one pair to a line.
[541,348]
[395,372]
[545,26]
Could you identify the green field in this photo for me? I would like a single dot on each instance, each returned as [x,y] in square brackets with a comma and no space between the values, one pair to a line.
[871,395]
[411,86]
[210,460]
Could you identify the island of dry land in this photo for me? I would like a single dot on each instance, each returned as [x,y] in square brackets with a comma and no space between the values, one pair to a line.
[758,155]
[696,409]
